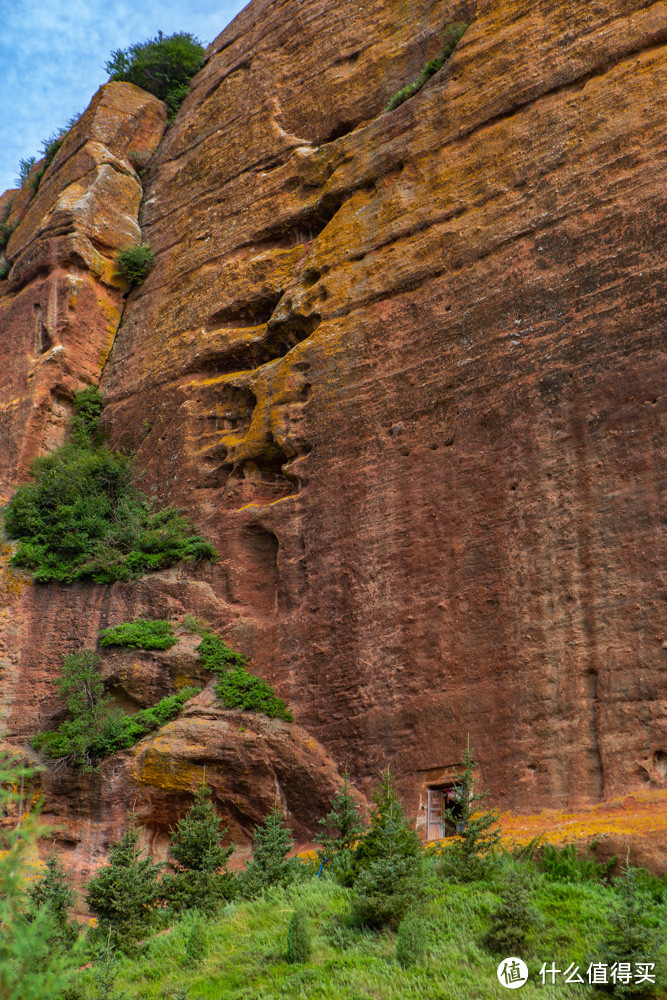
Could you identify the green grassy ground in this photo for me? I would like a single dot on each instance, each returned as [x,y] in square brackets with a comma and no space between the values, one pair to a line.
[245,948]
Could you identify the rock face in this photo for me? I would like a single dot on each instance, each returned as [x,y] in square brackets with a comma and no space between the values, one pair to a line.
[402,369]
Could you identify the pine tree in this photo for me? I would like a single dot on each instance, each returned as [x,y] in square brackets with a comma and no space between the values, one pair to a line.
[124,894]
[470,850]
[53,893]
[30,968]
[200,879]
[106,973]
[270,865]
[342,826]
[298,938]
[632,935]
[387,863]
[512,920]
[388,812]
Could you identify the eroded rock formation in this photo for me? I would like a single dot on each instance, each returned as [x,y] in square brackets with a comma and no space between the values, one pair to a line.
[401,368]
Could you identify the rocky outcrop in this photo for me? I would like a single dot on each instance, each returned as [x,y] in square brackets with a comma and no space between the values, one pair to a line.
[62,301]
[250,763]
[402,369]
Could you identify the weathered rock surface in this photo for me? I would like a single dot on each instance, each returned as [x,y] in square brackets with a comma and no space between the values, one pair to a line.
[62,301]
[249,761]
[403,370]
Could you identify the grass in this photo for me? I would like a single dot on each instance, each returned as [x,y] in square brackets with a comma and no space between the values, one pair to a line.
[245,948]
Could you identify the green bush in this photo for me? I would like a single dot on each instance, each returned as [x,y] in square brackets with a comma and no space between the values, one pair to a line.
[512,920]
[565,864]
[199,878]
[82,517]
[142,633]
[298,938]
[96,729]
[634,933]
[25,166]
[6,230]
[237,688]
[32,966]
[125,893]
[51,892]
[411,941]
[453,34]
[135,263]
[162,65]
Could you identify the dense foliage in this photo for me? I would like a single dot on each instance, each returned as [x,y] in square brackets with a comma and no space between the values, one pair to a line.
[32,961]
[386,863]
[440,950]
[82,517]
[142,633]
[271,843]
[96,728]
[467,854]
[452,35]
[163,65]
[135,263]
[125,893]
[52,893]
[342,828]
[199,877]
[237,687]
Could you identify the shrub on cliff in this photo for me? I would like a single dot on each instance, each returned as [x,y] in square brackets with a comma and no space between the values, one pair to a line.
[237,687]
[82,517]
[452,35]
[162,65]
[142,633]
[135,263]
[96,729]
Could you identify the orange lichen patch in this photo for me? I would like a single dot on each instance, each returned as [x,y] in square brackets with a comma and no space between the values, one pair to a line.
[186,680]
[640,814]
[157,768]
[11,581]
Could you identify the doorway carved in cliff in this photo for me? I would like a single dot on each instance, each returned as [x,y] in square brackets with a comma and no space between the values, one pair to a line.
[443,812]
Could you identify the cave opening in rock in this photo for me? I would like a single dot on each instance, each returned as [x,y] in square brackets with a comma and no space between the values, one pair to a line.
[444,812]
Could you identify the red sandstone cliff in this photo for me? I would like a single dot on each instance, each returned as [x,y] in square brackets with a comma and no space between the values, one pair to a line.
[402,369]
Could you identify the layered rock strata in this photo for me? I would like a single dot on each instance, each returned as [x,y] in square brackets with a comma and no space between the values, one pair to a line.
[403,370]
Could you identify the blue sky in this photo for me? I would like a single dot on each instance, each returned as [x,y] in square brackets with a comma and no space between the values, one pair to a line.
[52,56]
